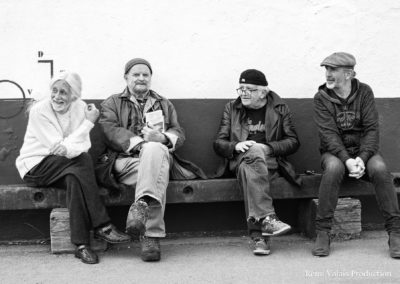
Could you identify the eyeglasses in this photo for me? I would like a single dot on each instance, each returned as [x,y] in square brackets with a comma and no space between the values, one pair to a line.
[242,91]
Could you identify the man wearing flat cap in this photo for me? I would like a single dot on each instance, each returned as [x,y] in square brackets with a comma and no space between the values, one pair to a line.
[348,126]
[255,136]
[141,131]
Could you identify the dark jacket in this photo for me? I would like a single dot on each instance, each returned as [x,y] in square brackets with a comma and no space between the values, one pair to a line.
[347,128]
[118,112]
[121,119]
[280,133]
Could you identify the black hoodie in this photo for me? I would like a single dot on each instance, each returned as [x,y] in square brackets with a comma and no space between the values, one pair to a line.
[347,127]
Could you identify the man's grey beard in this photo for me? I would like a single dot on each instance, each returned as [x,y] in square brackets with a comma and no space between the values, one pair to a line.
[140,93]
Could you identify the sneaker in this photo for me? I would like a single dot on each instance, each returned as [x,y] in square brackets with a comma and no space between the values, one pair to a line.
[322,244]
[271,226]
[261,246]
[136,220]
[151,250]
[394,245]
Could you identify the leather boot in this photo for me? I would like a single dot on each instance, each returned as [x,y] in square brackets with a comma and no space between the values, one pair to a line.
[136,219]
[322,244]
[394,244]
[151,250]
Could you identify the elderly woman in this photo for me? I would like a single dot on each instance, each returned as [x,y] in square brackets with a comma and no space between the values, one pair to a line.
[54,153]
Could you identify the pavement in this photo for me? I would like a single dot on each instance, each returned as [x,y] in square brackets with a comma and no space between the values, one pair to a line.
[210,260]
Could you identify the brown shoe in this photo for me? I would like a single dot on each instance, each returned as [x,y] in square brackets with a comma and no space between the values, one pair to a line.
[394,244]
[151,250]
[111,235]
[86,255]
[322,244]
[136,220]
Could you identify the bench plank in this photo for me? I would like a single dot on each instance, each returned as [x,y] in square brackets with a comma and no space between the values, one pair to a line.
[21,196]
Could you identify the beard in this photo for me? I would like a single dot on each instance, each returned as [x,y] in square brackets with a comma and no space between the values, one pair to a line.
[141,89]
[330,85]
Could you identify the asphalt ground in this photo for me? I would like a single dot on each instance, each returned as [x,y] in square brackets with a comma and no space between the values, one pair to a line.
[210,260]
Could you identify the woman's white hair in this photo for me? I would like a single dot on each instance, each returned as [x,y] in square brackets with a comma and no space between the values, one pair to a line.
[72,79]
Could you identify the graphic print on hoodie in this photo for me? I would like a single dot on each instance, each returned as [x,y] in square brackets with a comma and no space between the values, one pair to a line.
[347,127]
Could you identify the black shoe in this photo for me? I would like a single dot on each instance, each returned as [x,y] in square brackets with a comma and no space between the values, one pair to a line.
[136,220]
[322,244]
[86,255]
[151,250]
[111,235]
[394,244]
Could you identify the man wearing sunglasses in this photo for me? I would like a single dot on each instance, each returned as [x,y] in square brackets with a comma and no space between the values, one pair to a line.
[255,136]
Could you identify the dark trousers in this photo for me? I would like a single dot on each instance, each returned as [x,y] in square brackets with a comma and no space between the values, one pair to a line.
[254,179]
[376,172]
[76,175]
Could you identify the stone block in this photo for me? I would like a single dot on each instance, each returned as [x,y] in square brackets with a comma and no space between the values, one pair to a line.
[60,233]
[346,221]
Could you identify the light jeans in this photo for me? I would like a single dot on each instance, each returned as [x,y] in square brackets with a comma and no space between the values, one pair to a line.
[149,172]
[254,179]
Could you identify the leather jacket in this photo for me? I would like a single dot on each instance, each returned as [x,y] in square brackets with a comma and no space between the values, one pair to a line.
[280,134]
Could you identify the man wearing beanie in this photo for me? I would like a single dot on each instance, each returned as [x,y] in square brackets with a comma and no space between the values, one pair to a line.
[255,136]
[348,127]
[142,131]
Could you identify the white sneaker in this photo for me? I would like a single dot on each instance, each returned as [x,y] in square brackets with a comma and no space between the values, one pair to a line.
[271,226]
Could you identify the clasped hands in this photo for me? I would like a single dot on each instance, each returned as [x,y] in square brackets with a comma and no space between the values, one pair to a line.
[152,133]
[356,167]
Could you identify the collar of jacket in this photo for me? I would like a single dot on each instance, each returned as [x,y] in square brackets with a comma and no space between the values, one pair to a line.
[127,95]
[272,99]
[271,116]
[323,90]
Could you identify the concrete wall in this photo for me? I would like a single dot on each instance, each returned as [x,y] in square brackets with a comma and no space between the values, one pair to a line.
[197,47]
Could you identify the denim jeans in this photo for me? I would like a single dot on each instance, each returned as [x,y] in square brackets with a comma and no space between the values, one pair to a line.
[149,172]
[254,179]
[334,171]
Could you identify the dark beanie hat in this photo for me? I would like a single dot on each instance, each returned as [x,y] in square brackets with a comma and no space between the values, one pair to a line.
[136,61]
[253,76]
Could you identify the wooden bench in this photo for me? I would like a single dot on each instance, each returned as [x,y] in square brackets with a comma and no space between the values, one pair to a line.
[204,115]
[20,196]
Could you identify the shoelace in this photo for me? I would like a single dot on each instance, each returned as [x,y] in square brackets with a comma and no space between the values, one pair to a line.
[149,242]
[272,221]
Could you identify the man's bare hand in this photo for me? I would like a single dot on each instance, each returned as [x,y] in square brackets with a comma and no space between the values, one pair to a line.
[355,167]
[154,135]
[244,146]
